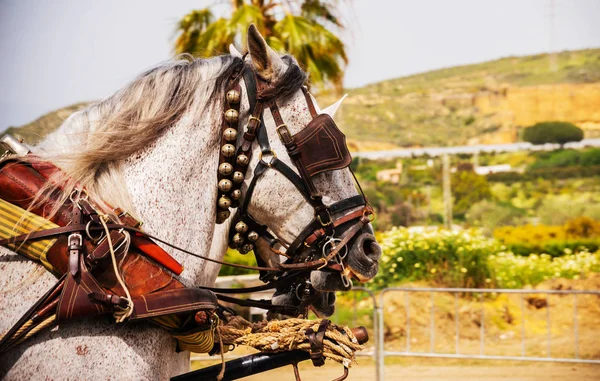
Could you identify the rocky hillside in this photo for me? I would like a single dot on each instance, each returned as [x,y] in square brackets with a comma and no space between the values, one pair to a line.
[482,103]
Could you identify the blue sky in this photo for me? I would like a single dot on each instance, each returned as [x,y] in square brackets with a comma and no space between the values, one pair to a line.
[56,53]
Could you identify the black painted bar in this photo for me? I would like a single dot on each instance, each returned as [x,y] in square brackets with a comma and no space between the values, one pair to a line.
[245,366]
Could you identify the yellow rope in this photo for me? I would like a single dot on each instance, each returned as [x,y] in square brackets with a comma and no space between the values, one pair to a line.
[44,324]
[119,314]
[339,343]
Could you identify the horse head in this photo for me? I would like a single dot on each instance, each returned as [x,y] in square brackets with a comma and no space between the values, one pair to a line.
[299,206]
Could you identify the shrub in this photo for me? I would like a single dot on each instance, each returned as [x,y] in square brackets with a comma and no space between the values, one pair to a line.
[555,241]
[445,257]
[467,189]
[489,215]
[582,227]
[553,132]
[567,158]
[513,271]
[545,173]
[235,257]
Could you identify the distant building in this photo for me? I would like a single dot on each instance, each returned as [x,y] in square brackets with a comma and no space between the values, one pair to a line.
[391,175]
[493,169]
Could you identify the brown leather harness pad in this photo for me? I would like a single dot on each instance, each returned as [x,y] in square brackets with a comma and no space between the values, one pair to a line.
[322,146]
[91,288]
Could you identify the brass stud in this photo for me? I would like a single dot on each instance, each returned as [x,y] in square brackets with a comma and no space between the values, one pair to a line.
[224,202]
[243,160]
[222,216]
[225,185]
[238,177]
[241,227]
[236,194]
[228,150]
[253,236]
[231,116]
[225,169]
[233,96]
[238,239]
[230,134]
[245,249]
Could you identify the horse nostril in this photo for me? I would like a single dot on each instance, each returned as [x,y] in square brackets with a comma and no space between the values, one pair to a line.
[371,249]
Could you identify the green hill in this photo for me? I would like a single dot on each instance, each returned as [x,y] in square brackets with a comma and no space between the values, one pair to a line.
[436,108]
[480,103]
[32,133]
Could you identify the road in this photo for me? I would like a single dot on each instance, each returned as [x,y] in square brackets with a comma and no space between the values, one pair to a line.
[437,151]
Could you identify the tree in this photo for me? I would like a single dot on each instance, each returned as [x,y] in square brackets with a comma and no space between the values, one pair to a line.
[553,132]
[467,189]
[301,28]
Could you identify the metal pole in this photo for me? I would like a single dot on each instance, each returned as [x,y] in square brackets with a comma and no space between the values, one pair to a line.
[575,328]
[354,308]
[432,325]
[548,332]
[456,322]
[380,361]
[482,327]
[407,308]
[447,191]
[522,327]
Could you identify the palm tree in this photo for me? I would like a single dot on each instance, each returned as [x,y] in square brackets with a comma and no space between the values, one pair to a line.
[301,28]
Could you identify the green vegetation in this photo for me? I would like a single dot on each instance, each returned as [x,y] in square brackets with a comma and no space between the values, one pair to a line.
[469,259]
[302,29]
[553,132]
[545,187]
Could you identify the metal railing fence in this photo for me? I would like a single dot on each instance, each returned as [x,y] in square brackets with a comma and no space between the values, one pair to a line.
[379,352]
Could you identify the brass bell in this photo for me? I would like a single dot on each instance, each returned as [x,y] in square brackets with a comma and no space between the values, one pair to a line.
[246,248]
[241,227]
[238,239]
[238,177]
[230,134]
[231,116]
[253,236]
[222,216]
[225,185]
[233,96]
[236,194]
[228,150]
[243,160]
[224,202]
[225,169]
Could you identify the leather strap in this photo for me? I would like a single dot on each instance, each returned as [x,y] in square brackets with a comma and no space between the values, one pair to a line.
[309,102]
[316,342]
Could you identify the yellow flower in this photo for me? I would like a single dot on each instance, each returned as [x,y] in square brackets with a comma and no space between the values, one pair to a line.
[463,270]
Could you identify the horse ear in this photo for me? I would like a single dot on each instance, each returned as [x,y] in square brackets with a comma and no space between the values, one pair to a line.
[331,110]
[266,61]
[234,52]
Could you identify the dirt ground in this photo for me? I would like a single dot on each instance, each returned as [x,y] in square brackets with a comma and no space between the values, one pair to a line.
[491,371]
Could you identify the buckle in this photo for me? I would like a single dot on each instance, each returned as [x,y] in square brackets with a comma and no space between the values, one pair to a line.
[284,134]
[325,223]
[269,152]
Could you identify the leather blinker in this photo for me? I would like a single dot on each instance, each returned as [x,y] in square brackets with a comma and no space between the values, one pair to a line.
[322,146]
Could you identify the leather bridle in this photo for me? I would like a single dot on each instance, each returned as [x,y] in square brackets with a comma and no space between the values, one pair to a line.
[320,232]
